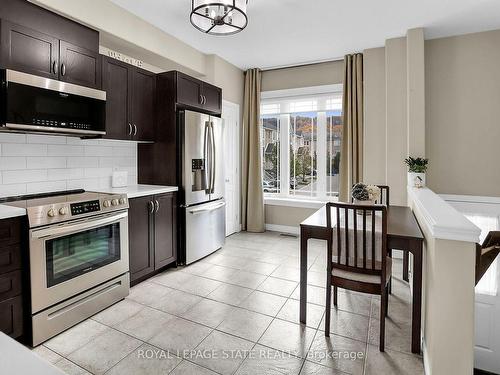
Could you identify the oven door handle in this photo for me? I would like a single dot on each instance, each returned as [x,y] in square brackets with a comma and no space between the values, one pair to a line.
[70,228]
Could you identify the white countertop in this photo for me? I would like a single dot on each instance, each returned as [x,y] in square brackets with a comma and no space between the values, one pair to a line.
[135,191]
[9,211]
[18,360]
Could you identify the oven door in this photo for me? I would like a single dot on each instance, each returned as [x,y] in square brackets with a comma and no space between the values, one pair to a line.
[70,258]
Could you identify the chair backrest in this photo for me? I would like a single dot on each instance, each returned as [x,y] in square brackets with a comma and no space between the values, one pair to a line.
[358,240]
[384,195]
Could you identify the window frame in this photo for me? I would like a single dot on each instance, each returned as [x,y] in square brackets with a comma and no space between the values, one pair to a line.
[284,98]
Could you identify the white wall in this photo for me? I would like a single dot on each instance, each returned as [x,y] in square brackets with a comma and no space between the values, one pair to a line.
[40,163]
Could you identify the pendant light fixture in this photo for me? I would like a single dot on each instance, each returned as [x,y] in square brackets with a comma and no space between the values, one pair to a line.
[222,17]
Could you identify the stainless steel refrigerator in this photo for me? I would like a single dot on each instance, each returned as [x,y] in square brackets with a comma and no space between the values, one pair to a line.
[202,207]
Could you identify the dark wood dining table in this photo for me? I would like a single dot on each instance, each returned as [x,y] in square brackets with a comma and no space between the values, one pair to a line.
[403,233]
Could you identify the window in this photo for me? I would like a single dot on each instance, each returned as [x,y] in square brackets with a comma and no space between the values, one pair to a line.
[301,132]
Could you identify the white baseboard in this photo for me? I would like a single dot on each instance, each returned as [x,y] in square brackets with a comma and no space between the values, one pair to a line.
[283,228]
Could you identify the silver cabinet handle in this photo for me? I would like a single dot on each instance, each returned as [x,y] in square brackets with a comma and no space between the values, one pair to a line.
[129,129]
[204,99]
[201,99]
[54,67]
[157,205]
[63,69]
[135,129]
[151,207]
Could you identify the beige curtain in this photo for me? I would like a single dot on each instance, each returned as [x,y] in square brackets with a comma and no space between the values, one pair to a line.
[351,156]
[252,197]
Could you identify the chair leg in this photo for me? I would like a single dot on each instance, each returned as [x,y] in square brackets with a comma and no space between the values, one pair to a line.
[335,296]
[328,308]
[389,253]
[383,313]
[387,300]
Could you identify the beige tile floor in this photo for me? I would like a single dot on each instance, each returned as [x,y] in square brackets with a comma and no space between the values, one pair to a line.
[236,312]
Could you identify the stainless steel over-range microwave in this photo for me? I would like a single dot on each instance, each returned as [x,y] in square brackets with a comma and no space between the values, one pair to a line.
[30,103]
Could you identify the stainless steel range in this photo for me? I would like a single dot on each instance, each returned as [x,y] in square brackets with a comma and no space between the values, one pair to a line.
[78,255]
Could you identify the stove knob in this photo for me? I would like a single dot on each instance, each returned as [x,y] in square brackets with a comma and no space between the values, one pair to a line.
[63,211]
[114,202]
[51,212]
[106,203]
[122,201]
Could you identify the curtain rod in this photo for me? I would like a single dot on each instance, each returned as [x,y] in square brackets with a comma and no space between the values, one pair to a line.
[298,65]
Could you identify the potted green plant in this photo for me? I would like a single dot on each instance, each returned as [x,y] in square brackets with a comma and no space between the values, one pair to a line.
[416,171]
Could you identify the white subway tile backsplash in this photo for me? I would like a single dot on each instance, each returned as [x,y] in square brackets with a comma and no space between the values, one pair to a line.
[98,151]
[82,162]
[65,150]
[12,138]
[65,174]
[23,149]
[40,163]
[45,162]
[12,163]
[45,139]
[44,187]
[24,176]
[12,189]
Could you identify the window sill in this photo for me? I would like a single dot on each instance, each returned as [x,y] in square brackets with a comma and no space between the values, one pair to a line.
[294,202]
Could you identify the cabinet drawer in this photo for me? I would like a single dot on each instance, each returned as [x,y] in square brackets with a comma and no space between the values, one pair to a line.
[10,258]
[10,285]
[10,231]
[11,317]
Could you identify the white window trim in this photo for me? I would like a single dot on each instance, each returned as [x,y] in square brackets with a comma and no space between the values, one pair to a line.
[292,202]
[282,199]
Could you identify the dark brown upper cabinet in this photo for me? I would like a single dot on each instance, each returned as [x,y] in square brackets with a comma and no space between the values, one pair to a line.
[195,94]
[130,101]
[79,65]
[36,41]
[28,50]
[152,234]
[143,104]
[116,83]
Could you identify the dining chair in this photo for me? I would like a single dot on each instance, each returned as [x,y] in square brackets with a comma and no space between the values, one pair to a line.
[357,255]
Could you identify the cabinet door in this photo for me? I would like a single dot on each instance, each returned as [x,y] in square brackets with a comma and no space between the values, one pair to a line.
[11,316]
[79,65]
[141,252]
[116,83]
[213,98]
[28,51]
[165,230]
[189,91]
[143,105]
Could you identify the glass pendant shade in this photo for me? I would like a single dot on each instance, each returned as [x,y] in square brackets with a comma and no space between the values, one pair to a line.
[219,17]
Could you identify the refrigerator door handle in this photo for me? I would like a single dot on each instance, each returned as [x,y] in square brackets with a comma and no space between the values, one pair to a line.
[207,209]
[213,168]
[206,157]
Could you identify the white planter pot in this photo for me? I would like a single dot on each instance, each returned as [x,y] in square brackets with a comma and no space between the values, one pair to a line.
[416,179]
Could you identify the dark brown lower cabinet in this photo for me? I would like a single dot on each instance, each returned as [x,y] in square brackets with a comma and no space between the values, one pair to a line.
[152,234]
[11,273]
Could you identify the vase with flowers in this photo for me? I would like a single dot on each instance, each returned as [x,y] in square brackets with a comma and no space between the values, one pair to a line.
[365,194]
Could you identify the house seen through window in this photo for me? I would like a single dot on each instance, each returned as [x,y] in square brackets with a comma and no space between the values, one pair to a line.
[301,137]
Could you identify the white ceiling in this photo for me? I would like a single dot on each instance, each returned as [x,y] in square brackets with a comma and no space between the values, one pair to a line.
[288,32]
